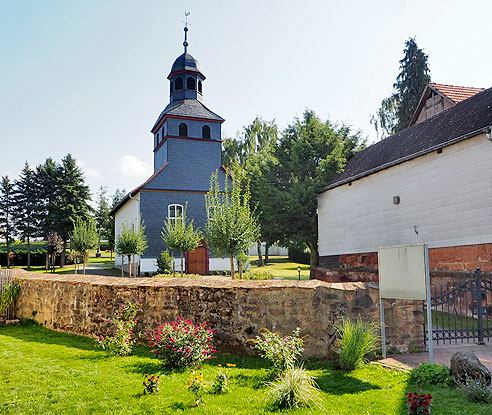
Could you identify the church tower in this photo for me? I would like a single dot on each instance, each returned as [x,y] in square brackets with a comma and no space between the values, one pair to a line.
[185,117]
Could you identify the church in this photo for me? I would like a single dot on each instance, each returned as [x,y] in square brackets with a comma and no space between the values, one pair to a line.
[187,150]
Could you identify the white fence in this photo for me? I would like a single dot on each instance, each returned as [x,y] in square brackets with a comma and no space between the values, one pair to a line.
[5,279]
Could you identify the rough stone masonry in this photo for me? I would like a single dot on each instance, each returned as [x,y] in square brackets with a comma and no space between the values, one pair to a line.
[237,309]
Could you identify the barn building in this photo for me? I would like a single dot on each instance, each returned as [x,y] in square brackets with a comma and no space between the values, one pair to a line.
[430,183]
[187,150]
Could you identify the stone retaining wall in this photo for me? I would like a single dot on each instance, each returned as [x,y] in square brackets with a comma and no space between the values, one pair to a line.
[238,310]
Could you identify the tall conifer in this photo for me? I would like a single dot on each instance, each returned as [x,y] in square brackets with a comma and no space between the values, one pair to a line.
[6,213]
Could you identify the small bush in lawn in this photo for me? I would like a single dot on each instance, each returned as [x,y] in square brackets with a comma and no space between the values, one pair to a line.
[120,340]
[257,275]
[476,390]
[181,344]
[294,388]
[165,263]
[431,374]
[282,351]
[357,338]
[151,384]
[419,404]
[221,380]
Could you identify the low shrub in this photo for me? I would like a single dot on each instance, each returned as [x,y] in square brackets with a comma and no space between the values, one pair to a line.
[294,388]
[120,340]
[196,385]
[282,351]
[431,374]
[476,390]
[165,263]
[8,295]
[178,275]
[419,404]
[151,384]
[18,257]
[181,344]
[257,275]
[357,338]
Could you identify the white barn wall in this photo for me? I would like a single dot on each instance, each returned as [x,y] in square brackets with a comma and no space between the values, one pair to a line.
[128,214]
[448,196]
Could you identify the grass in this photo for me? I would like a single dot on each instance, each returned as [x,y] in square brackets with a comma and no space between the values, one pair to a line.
[47,372]
[281,266]
[452,321]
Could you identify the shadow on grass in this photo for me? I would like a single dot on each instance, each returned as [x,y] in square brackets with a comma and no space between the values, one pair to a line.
[338,382]
[252,381]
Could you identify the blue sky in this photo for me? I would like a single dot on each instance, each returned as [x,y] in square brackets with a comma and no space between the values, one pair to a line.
[90,77]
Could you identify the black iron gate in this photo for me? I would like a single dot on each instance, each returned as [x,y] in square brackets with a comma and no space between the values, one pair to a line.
[462,311]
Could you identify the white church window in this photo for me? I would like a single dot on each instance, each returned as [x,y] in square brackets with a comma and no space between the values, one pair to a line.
[175,212]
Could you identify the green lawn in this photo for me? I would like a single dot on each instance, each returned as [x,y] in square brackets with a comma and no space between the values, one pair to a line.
[281,266]
[46,372]
[443,320]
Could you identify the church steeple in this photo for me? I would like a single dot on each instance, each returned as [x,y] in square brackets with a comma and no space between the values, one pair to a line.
[185,43]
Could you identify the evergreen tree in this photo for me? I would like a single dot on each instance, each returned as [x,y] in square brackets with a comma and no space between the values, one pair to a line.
[309,153]
[179,234]
[103,219]
[232,226]
[27,208]
[72,199]
[397,110]
[7,228]
[46,179]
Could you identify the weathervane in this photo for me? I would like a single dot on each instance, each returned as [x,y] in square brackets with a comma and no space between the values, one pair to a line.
[185,43]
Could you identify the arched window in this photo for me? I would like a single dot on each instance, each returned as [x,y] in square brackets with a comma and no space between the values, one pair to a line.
[175,212]
[190,83]
[171,83]
[183,130]
[205,131]
[200,87]
[178,84]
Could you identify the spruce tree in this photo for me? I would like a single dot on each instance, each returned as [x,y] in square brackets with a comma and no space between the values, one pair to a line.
[47,183]
[27,208]
[72,199]
[397,110]
[7,228]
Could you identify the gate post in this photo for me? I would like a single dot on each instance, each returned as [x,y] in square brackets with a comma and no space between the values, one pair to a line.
[479,306]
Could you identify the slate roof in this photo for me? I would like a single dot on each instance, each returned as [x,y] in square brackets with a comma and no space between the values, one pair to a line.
[186,62]
[188,108]
[464,120]
[456,93]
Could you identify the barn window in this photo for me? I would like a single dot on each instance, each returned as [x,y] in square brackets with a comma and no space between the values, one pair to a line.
[183,130]
[205,131]
[200,87]
[175,212]
[190,83]
[178,84]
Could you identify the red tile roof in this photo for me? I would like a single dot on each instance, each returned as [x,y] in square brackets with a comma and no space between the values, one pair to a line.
[456,93]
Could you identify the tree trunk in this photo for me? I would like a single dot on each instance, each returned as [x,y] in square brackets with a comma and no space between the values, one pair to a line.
[314,257]
[267,247]
[129,266]
[28,254]
[62,256]
[260,258]
[111,253]
[174,269]
[122,266]
[47,262]
[240,268]
[231,257]
[134,267]
[84,263]
[181,264]
[8,251]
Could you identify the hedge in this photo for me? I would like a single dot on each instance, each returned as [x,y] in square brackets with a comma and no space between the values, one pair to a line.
[18,257]
[299,255]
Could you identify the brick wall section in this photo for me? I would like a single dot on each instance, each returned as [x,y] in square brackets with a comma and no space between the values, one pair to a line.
[236,309]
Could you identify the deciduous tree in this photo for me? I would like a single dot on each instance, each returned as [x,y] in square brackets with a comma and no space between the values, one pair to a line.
[84,237]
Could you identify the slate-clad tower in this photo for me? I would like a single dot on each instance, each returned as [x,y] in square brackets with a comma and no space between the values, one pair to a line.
[187,150]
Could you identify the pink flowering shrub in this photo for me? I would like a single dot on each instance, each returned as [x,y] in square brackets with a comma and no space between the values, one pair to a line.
[120,339]
[181,344]
[282,351]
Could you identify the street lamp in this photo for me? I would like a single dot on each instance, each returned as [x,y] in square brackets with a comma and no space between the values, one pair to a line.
[299,271]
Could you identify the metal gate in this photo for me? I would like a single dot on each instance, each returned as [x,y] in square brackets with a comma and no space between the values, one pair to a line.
[462,312]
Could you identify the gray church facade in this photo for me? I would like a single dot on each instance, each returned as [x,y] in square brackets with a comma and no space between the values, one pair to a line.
[187,150]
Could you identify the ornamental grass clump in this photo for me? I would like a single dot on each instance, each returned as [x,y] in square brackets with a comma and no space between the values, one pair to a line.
[419,404]
[356,339]
[294,388]
[282,351]
[182,344]
[120,339]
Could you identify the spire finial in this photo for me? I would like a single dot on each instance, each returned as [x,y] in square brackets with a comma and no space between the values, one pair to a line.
[185,43]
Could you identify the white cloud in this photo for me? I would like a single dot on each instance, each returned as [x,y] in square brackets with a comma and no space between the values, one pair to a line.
[131,166]
[91,173]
